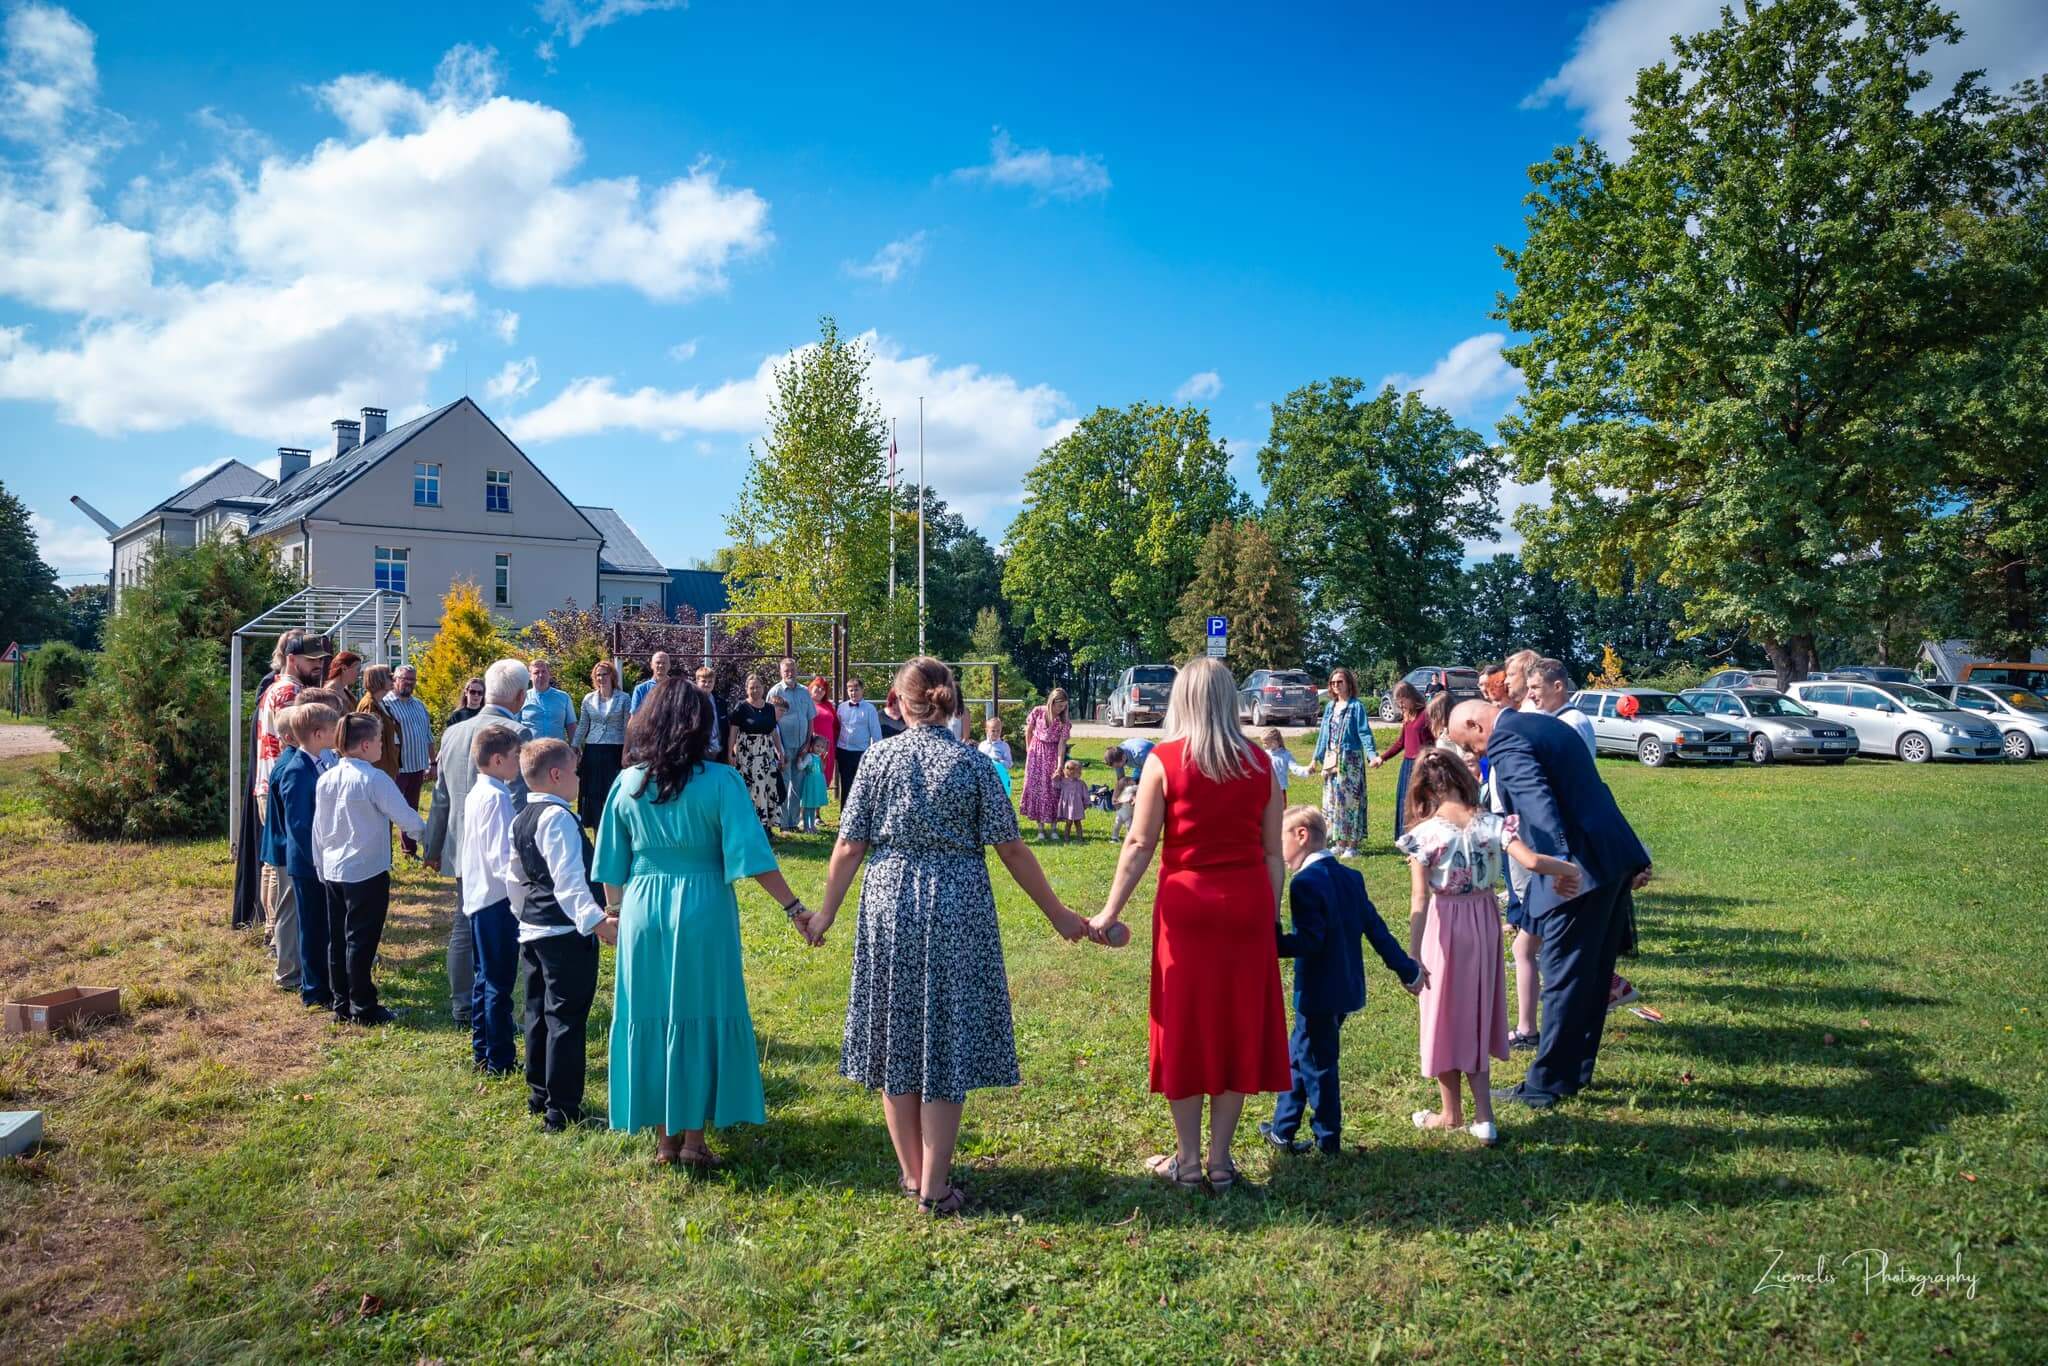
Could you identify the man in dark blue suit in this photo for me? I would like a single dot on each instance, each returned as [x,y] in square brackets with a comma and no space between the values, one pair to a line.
[1546,778]
[1331,914]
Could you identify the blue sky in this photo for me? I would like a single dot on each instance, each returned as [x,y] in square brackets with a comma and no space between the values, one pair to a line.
[605,219]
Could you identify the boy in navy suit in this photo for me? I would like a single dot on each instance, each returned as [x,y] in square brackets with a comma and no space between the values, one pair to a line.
[1332,914]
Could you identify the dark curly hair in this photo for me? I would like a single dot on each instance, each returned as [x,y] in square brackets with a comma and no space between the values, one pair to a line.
[670,734]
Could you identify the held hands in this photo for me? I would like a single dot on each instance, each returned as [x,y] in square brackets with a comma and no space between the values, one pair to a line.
[608,929]
[812,925]
[1568,880]
[1069,925]
[1421,982]
[1642,879]
[1099,924]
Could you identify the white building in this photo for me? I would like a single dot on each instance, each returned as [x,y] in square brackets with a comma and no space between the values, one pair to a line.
[446,496]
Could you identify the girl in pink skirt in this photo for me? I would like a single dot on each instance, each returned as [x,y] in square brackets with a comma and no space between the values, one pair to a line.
[1456,853]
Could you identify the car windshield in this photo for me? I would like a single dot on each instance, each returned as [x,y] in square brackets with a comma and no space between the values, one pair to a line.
[1154,674]
[1773,704]
[1919,699]
[1661,704]
[2019,699]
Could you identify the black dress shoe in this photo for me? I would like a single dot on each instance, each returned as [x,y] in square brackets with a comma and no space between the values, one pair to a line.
[376,1015]
[1334,1148]
[1286,1145]
[1518,1095]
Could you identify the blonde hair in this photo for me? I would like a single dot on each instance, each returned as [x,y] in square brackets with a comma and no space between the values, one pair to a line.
[1058,696]
[536,757]
[307,719]
[925,691]
[376,681]
[1310,819]
[1203,712]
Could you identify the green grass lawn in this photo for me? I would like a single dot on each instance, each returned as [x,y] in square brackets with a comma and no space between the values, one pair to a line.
[1853,1058]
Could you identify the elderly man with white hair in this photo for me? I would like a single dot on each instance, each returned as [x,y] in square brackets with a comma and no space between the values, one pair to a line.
[505,686]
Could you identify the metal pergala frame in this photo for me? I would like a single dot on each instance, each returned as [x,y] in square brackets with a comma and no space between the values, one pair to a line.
[346,616]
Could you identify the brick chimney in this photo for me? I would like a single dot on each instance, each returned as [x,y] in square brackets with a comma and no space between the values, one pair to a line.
[373,424]
[345,435]
[292,460]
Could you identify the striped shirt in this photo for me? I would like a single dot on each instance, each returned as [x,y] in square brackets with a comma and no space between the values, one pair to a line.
[415,732]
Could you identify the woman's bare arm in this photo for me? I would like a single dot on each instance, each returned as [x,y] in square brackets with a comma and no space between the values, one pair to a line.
[1276,860]
[1148,818]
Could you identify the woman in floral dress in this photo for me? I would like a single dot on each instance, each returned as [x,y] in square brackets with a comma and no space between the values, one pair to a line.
[755,751]
[1046,732]
[1343,747]
[928,1016]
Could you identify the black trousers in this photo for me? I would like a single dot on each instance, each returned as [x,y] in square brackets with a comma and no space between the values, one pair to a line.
[355,926]
[561,982]
[848,762]
[1580,940]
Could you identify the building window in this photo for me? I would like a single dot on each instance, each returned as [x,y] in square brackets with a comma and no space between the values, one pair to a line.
[391,568]
[395,655]
[298,561]
[497,490]
[426,485]
[503,581]
[629,603]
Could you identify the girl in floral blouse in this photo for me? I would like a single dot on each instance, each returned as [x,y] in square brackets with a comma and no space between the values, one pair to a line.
[1455,852]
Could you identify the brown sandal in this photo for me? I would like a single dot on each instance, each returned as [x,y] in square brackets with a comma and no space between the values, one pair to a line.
[666,1155]
[946,1205]
[703,1160]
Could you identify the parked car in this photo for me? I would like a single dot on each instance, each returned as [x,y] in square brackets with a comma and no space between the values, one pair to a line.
[1742,678]
[1429,680]
[1663,728]
[1777,726]
[1270,697]
[1139,697]
[2032,677]
[1874,673]
[1902,719]
[2021,716]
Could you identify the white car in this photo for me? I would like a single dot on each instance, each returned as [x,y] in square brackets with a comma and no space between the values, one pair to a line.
[2020,714]
[1902,719]
[1660,729]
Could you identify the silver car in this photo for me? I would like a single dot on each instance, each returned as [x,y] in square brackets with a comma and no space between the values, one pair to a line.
[1902,719]
[1740,678]
[1777,726]
[1663,728]
[2020,714]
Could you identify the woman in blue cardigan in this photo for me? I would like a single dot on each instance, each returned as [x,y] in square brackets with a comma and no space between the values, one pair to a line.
[1343,747]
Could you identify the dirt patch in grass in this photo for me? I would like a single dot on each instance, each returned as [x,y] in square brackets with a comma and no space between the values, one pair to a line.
[203,1034]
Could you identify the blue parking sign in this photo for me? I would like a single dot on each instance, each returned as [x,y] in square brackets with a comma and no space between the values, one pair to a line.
[1219,627]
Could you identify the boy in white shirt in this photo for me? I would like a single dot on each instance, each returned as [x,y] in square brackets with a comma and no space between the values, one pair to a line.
[355,804]
[486,860]
[560,922]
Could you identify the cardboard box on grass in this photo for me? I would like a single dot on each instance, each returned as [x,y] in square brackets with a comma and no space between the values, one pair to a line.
[55,1009]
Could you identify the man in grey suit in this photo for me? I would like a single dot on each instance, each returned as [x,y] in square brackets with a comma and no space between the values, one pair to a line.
[505,685]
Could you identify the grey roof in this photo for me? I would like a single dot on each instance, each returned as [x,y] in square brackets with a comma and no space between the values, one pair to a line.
[1950,656]
[305,491]
[624,552]
[231,479]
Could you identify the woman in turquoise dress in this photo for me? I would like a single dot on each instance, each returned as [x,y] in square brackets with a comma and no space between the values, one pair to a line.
[677,833]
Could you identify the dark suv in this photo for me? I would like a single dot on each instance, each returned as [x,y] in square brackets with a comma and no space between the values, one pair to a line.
[1140,694]
[1270,697]
[1429,680]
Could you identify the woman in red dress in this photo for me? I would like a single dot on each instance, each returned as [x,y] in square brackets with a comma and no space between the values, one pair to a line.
[1219,1026]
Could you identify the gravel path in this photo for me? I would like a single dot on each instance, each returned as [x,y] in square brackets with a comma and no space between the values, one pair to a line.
[16,741]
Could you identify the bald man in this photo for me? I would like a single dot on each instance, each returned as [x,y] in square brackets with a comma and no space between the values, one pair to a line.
[1544,776]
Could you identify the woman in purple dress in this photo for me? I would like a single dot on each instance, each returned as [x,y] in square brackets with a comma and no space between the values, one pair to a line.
[1046,731]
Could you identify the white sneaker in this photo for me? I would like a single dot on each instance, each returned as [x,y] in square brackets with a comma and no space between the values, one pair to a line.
[1485,1132]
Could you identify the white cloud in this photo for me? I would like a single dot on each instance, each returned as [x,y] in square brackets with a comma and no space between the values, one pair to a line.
[1507,540]
[70,547]
[982,430]
[1469,380]
[574,19]
[1049,174]
[891,261]
[515,381]
[1197,388]
[336,273]
[683,350]
[2006,38]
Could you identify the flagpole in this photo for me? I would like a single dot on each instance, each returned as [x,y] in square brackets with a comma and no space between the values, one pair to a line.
[892,510]
[920,524]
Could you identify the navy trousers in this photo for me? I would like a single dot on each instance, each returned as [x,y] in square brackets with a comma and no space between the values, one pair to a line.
[1580,940]
[494,934]
[311,895]
[1313,1054]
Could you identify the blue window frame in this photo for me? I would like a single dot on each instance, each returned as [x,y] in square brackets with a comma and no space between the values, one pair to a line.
[426,485]
[390,568]
[497,490]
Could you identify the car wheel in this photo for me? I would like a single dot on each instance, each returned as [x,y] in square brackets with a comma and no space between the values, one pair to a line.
[1258,714]
[1651,751]
[1388,711]
[2018,746]
[1759,749]
[1914,749]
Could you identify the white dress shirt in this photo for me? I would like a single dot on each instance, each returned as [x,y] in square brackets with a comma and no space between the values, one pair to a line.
[860,725]
[998,750]
[560,838]
[1581,723]
[486,865]
[355,804]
